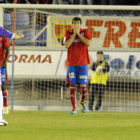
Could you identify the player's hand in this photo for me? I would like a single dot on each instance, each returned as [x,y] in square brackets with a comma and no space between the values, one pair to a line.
[74,30]
[77,28]
[21,34]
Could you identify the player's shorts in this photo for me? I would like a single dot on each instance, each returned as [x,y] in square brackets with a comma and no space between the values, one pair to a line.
[0,78]
[78,74]
[4,75]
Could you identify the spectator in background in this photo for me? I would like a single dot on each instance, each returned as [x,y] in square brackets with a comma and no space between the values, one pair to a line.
[60,2]
[111,2]
[2,1]
[87,2]
[130,2]
[74,2]
[98,80]
[44,1]
[6,1]
[26,1]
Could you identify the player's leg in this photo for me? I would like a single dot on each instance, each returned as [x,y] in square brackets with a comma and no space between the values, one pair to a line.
[100,96]
[91,98]
[5,99]
[83,81]
[2,121]
[72,82]
[4,91]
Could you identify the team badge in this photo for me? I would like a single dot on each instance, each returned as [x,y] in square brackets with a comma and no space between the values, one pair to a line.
[82,33]
[58,27]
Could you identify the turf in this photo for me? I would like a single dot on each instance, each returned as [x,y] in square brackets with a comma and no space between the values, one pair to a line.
[50,125]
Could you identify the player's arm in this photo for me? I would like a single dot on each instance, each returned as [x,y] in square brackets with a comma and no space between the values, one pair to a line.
[84,40]
[18,36]
[106,68]
[6,33]
[9,34]
[93,66]
[4,64]
[69,41]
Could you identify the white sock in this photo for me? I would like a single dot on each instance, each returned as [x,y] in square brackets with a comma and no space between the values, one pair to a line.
[1,106]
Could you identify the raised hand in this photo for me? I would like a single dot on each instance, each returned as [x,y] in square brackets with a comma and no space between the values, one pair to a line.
[77,28]
[21,34]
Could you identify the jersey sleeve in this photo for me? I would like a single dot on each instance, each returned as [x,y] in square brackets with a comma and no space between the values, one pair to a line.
[6,33]
[6,43]
[66,37]
[87,34]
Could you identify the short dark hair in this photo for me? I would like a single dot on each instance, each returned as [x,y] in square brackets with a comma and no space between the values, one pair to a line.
[100,52]
[76,19]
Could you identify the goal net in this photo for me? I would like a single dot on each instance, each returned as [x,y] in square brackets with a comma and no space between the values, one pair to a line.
[40,59]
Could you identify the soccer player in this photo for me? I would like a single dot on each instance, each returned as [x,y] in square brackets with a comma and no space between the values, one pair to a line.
[5,51]
[9,34]
[98,80]
[77,41]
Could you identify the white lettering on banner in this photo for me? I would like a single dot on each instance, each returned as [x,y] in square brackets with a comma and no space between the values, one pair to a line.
[34,63]
[106,32]
[121,63]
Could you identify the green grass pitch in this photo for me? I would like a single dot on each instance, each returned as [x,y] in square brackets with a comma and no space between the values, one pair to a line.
[60,125]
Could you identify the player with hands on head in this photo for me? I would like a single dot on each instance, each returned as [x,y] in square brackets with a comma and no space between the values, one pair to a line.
[100,69]
[77,41]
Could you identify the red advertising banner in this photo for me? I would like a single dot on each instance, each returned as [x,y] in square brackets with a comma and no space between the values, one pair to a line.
[106,32]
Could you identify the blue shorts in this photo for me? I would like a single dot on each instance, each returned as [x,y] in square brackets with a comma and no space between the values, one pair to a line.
[78,74]
[4,75]
[0,78]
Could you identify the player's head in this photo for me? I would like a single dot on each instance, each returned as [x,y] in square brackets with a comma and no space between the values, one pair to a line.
[76,21]
[100,55]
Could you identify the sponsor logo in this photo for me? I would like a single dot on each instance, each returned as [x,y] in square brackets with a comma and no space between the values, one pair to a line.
[25,58]
[83,77]
[121,67]
[82,33]
[77,40]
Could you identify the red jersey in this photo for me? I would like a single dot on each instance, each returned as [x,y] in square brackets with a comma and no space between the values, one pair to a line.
[4,43]
[78,51]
